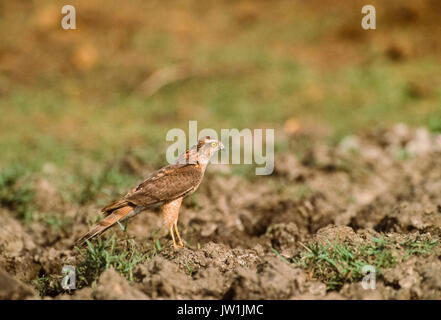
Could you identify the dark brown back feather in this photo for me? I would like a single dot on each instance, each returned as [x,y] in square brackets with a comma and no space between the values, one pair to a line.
[166,184]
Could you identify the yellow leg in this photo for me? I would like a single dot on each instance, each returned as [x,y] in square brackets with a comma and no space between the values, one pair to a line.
[173,237]
[177,233]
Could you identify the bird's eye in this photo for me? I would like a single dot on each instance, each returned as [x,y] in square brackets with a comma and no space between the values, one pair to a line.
[213,144]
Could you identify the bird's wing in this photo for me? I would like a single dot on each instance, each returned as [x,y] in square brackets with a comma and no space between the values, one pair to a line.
[168,183]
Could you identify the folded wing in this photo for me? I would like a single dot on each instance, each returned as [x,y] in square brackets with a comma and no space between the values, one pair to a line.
[166,184]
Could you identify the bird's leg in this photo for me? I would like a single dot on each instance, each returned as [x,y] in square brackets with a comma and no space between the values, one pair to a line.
[173,237]
[177,233]
[170,214]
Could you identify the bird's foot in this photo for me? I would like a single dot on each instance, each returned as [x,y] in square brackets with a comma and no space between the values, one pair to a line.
[177,246]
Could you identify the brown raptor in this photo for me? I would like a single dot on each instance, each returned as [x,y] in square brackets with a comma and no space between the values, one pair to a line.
[165,187]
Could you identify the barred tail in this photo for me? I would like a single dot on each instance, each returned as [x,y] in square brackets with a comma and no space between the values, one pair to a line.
[109,221]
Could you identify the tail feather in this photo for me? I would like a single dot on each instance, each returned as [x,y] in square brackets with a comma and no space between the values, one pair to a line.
[106,223]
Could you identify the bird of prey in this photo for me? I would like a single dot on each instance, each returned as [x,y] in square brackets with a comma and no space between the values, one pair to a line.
[164,188]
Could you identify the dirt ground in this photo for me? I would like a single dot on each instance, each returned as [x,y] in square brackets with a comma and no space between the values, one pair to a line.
[243,236]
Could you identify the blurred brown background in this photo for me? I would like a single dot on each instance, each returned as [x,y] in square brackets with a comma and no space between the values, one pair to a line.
[133,70]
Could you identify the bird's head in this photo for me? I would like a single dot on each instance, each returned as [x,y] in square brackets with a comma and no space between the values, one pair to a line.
[207,146]
[201,152]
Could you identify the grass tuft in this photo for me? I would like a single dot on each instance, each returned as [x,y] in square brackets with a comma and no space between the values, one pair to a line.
[94,260]
[16,193]
[338,263]
[107,254]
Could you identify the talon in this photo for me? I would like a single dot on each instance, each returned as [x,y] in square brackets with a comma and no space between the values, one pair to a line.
[177,246]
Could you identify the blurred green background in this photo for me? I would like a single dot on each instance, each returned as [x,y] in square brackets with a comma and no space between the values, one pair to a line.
[133,70]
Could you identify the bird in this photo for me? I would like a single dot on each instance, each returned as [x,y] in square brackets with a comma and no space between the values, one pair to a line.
[164,188]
